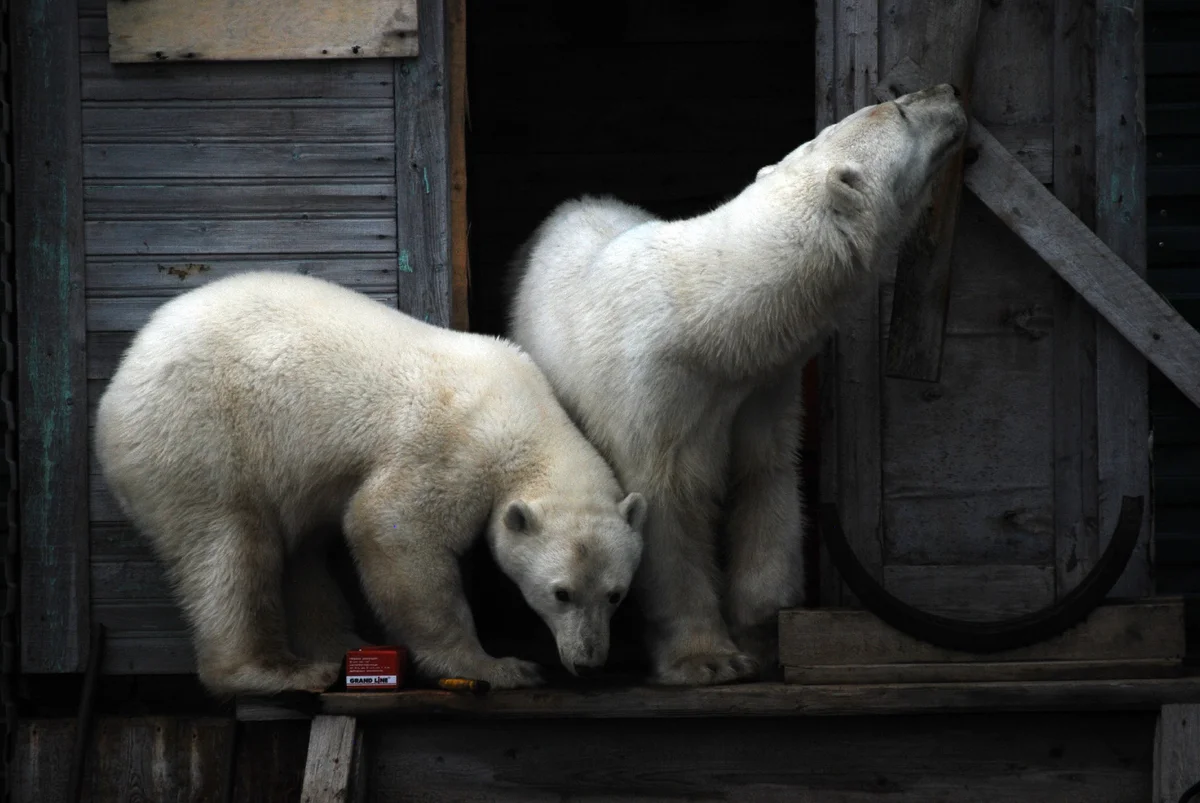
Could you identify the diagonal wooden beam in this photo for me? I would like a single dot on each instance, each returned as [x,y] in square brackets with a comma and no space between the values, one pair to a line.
[1074,252]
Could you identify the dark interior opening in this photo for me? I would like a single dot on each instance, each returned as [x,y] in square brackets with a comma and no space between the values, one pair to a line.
[670,104]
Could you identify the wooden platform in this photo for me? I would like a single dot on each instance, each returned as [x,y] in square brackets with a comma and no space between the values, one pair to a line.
[743,700]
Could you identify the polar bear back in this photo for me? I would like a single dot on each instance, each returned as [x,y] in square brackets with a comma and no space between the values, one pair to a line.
[292,388]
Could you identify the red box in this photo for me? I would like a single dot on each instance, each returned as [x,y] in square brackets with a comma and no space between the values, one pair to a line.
[372,668]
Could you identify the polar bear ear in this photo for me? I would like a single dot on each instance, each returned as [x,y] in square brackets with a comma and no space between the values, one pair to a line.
[764,172]
[520,518]
[846,184]
[633,510]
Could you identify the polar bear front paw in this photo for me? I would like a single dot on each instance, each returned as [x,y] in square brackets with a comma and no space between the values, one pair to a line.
[511,673]
[704,669]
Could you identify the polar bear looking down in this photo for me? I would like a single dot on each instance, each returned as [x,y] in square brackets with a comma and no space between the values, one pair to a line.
[252,412]
[678,347]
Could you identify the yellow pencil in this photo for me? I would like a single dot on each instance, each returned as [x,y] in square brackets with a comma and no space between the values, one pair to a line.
[464,684]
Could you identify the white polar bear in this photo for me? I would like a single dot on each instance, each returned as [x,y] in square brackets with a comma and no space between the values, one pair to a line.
[678,347]
[257,410]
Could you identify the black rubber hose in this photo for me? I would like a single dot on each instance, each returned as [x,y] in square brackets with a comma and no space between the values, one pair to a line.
[985,637]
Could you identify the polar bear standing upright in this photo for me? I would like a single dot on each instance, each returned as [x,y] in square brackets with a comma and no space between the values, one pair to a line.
[253,413]
[678,347]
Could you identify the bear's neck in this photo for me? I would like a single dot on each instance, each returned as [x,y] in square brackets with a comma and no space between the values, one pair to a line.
[757,286]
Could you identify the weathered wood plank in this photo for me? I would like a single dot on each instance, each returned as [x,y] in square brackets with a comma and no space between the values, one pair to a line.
[48,257]
[172,274]
[1176,752]
[992,525]
[227,30]
[206,159]
[859,397]
[331,748]
[143,654]
[130,314]
[119,541]
[751,700]
[979,593]
[263,236]
[143,617]
[257,80]
[1122,402]
[1114,631]
[423,173]
[212,198]
[125,580]
[270,762]
[1076,539]
[1013,671]
[231,120]
[161,758]
[922,295]
[1013,64]
[1005,759]
[460,259]
[43,759]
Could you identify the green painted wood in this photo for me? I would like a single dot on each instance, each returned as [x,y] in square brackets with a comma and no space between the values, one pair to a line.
[51,351]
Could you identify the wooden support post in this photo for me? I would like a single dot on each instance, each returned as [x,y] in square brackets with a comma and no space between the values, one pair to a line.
[51,341]
[334,755]
[460,259]
[1176,751]
[922,295]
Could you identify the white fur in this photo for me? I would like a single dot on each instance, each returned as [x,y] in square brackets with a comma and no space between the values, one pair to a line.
[678,347]
[256,411]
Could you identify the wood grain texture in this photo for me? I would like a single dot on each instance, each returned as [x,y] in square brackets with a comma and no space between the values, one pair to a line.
[975,593]
[1005,759]
[1076,538]
[264,80]
[270,762]
[204,160]
[41,766]
[227,30]
[48,258]
[161,758]
[423,173]
[745,700]
[212,199]
[331,748]
[170,275]
[160,653]
[1122,401]
[986,672]
[237,119]
[1114,631]
[256,235]
[922,295]
[460,256]
[1176,752]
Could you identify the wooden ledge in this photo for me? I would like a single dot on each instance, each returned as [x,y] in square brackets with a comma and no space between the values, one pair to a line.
[745,700]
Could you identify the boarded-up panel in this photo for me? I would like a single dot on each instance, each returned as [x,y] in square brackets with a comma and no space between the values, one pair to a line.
[229,30]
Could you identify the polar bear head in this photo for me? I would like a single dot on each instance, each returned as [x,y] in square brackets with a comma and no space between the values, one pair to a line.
[876,165]
[574,565]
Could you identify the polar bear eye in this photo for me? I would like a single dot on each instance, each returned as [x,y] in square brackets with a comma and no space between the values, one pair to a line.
[614,598]
[562,595]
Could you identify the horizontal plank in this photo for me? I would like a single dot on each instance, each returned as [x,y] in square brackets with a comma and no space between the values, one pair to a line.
[212,198]
[984,672]
[1032,145]
[113,541]
[172,275]
[130,122]
[987,525]
[139,617]
[260,236]
[130,314]
[160,654]
[742,700]
[980,593]
[258,80]
[1145,629]
[239,160]
[126,580]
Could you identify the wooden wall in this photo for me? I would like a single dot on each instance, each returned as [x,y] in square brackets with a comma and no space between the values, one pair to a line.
[193,171]
[992,491]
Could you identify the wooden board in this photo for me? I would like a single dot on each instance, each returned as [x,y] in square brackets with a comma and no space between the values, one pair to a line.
[42,763]
[1140,639]
[270,762]
[742,700]
[160,758]
[48,258]
[332,744]
[423,174]
[1176,752]
[227,30]
[993,759]
[460,258]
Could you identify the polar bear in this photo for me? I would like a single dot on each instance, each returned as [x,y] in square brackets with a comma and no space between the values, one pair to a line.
[678,348]
[259,409]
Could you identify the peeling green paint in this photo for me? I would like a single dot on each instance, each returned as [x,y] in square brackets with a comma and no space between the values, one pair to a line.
[402,262]
[425,175]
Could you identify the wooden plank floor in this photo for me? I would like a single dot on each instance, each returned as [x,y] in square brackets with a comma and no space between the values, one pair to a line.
[744,700]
